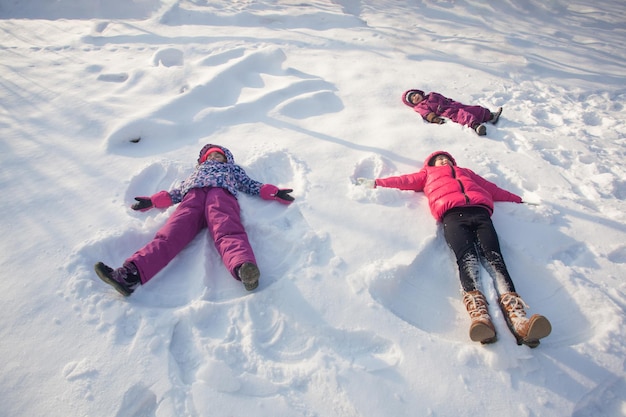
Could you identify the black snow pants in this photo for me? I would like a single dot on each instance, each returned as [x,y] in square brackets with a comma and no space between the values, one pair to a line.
[470,234]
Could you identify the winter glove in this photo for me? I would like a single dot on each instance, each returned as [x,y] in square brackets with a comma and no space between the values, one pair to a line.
[272,192]
[142,204]
[161,199]
[366,182]
[433,118]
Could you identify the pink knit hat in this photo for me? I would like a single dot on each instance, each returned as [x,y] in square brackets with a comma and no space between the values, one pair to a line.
[209,151]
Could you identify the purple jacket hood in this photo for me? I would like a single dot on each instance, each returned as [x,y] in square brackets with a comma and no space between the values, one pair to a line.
[407,92]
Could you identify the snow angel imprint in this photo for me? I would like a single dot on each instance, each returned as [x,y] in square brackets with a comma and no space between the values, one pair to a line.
[463,202]
[206,199]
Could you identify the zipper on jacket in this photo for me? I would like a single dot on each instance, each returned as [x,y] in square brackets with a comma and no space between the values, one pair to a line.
[467,200]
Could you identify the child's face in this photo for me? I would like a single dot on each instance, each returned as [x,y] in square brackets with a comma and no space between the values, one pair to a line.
[216,156]
[416,98]
[442,160]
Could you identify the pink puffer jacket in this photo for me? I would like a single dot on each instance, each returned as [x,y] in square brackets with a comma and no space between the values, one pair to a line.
[447,187]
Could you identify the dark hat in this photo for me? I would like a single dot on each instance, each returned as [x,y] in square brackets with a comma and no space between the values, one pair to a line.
[409,94]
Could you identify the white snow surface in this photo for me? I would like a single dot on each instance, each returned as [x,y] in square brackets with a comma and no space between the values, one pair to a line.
[359,310]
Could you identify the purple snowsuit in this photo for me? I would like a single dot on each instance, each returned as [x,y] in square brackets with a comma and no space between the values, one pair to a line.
[442,106]
[207,199]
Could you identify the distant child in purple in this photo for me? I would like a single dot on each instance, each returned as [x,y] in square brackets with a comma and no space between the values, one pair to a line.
[434,107]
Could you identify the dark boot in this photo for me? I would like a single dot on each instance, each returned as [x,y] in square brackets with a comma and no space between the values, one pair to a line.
[527,331]
[481,130]
[481,329]
[124,279]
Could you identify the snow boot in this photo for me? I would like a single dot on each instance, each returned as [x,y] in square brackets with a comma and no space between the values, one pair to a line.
[481,130]
[124,279]
[249,274]
[527,331]
[495,116]
[481,329]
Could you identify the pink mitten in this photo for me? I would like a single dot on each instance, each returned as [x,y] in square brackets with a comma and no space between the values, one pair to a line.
[272,192]
[161,199]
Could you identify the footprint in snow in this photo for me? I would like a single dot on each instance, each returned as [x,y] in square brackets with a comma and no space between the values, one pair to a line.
[168,57]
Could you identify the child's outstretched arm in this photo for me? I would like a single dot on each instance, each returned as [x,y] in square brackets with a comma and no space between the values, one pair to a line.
[265,191]
[162,199]
[497,193]
[413,182]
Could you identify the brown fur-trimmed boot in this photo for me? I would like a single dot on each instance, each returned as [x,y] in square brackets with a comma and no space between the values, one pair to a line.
[481,329]
[527,331]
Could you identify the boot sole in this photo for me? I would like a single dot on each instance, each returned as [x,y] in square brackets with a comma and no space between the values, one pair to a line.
[249,275]
[538,328]
[102,272]
[480,332]
[496,116]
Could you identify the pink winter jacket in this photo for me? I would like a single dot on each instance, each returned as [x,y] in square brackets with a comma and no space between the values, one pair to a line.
[447,187]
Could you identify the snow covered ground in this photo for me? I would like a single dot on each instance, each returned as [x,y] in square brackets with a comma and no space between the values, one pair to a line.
[359,310]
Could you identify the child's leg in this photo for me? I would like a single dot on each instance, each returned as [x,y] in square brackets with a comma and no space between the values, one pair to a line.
[460,234]
[472,116]
[180,229]
[491,255]
[460,238]
[223,219]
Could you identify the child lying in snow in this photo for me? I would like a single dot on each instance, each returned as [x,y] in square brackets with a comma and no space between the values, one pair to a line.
[463,202]
[207,199]
[433,107]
